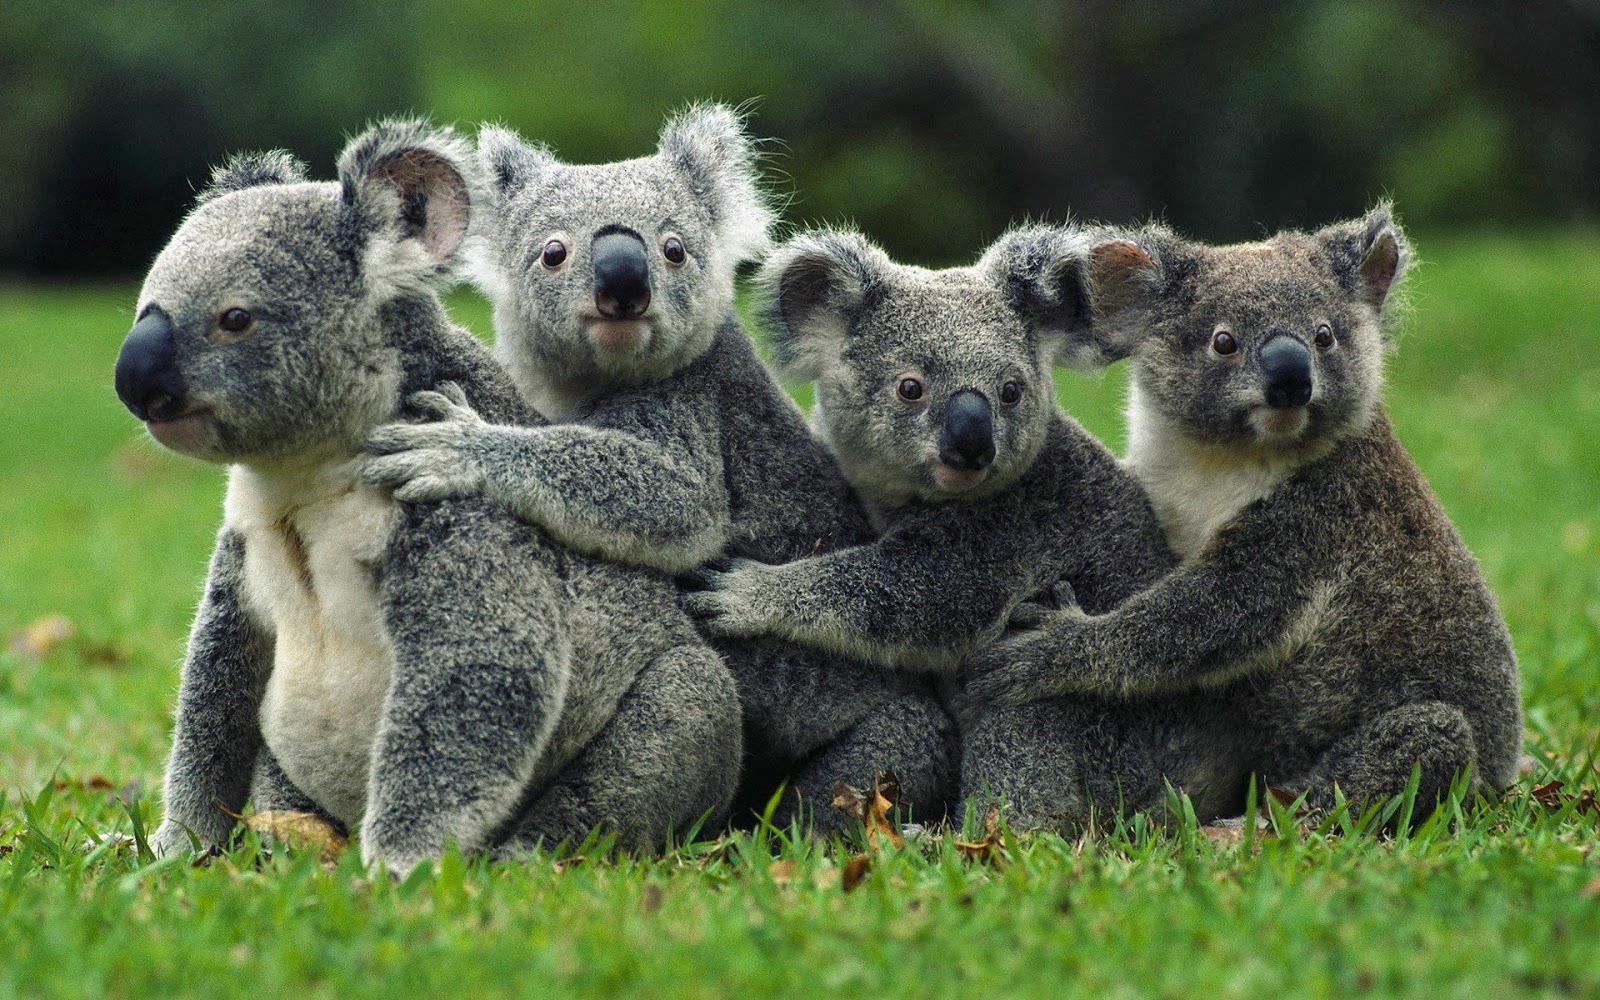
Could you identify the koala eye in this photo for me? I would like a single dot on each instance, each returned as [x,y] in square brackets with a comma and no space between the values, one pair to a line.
[1324,336]
[1223,343]
[672,249]
[555,254]
[909,389]
[1010,394]
[234,320]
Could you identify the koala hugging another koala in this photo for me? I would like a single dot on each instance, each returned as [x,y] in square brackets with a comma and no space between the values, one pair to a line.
[1323,592]
[438,673]
[613,289]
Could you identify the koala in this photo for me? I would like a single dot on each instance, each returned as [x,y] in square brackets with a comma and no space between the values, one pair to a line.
[613,290]
[934,392]
[1322,590]
[438,673]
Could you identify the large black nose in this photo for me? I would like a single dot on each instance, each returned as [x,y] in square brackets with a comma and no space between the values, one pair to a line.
[1287,366]
[967,440]
[621,276]
[148,382]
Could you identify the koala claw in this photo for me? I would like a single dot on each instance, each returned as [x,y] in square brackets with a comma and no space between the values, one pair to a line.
[717,598]
[424,475]
[1007,673]
[445,403]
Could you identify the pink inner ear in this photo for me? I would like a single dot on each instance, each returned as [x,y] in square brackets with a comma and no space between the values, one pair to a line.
[435,206]
[1378,270]
[1122,253]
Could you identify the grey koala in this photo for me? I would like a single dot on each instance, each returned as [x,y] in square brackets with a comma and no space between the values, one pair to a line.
[934,391]
[1322,585]
[441,672]
[613,288]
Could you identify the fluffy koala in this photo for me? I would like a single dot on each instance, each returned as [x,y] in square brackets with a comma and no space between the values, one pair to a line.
[934,391]
[1321,583]
[613,290]
[438,673]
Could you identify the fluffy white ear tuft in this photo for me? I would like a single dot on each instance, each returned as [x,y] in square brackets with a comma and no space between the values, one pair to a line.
[1369,255]
[814,286]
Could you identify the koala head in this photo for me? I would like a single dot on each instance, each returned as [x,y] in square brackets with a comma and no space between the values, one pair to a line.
[260,331]
[618,272]
[931,385]
[1276,345]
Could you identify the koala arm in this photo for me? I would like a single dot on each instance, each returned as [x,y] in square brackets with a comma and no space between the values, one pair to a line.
[916,598]
[1239,608]
[481,671]
[639,482]
[218,730]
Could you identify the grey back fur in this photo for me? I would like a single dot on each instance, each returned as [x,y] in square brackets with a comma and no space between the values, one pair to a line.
[438,673]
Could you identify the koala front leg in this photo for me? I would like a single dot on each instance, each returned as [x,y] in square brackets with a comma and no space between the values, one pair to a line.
[218,732]
[646,492]
[481,667]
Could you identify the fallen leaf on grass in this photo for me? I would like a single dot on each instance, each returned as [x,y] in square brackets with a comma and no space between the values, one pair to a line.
[989,848]
[43,638]
[1592,890]
[855,871]
[781,872]
[650,902]
[94,783]
[301,831]
[873,808]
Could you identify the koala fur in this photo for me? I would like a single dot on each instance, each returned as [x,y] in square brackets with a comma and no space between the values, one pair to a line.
[675,444]
[1323,590]
[439,672]
[934,391]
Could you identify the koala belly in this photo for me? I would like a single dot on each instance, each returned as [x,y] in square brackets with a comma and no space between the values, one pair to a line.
[309,575]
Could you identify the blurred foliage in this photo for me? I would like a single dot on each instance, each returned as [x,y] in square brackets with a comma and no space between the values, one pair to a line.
[931,123]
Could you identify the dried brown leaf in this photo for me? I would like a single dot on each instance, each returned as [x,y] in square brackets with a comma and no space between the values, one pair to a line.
[650,902]
[1592,889]
[989,848]
[874,808]
[301,831]
[1549,794]
[781,872]
[43,638]
[855,872]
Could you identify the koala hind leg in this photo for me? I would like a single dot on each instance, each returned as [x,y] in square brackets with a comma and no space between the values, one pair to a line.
[668,758]
[910,735]
[1374,762]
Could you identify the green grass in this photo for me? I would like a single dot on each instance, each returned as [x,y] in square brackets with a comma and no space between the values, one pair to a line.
[1495,388]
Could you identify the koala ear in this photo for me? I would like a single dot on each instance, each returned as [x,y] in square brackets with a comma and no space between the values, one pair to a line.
[244,170]
[1369,255]
[709,146]
[814,286]
[1043,273]
[509,162]
[415,180]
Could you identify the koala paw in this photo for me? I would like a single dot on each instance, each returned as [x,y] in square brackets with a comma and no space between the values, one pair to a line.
[428,461]
[1011,671]
[171,838]
[721,596]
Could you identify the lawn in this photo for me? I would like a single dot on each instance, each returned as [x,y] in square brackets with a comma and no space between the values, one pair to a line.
[1496,390]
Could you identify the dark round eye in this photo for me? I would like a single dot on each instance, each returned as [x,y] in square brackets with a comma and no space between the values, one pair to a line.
[555,254]
[672,249]
[1010,394]
[1223,343]
[909,389]
[235,319]
[1324,336]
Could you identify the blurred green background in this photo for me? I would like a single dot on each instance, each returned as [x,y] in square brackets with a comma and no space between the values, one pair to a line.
[930,123]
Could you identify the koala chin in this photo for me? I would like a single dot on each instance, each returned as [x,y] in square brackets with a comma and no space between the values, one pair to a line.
[436,673]
[1323,593]
[613,290]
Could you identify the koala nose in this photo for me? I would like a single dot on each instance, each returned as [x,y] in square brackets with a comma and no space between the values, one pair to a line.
[967,440]
[1287,366]
[621,276]
[148,382]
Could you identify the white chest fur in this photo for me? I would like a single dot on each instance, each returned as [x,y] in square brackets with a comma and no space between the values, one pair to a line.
[1196,489]
[312,539]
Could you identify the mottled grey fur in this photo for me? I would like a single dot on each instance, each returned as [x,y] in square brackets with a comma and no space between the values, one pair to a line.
[1323,591]
[959,553]
[677,444]
[436,672]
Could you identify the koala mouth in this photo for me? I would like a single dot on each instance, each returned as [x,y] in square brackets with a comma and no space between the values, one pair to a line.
[1278,423]
[949,480]
[619,335]
[186,433]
